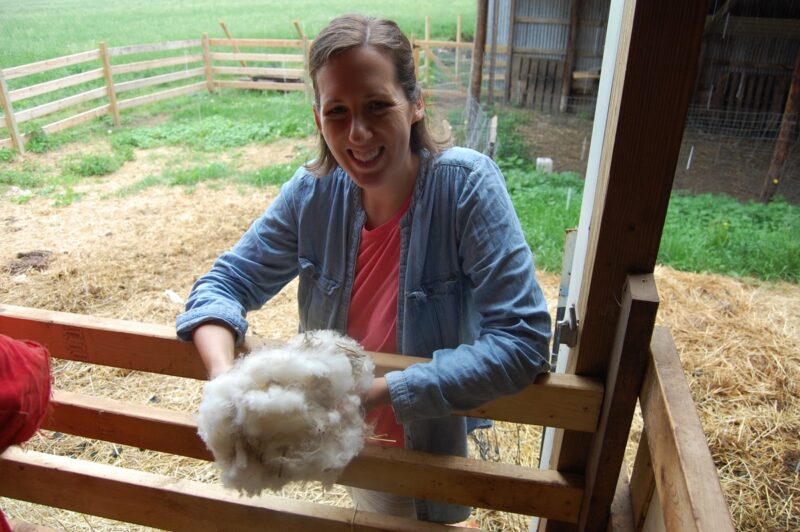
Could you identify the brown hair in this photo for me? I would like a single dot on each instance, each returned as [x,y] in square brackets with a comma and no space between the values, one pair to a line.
[350,31]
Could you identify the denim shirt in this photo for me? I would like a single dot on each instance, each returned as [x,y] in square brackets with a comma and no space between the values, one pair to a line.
[468,299]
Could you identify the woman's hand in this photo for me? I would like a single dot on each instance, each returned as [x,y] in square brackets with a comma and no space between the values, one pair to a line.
[215,342]
[377,395]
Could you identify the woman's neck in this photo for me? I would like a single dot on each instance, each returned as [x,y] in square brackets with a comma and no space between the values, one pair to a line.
[381,203]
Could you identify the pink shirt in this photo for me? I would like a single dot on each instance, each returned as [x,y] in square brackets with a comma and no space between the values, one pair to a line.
[372,318]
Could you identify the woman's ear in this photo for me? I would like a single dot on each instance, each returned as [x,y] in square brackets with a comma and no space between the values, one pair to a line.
[316,119]
[419,110]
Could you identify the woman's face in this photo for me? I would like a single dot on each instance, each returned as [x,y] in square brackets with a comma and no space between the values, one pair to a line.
[365,118]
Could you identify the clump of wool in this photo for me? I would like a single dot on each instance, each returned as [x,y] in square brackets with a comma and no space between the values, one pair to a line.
[287,414]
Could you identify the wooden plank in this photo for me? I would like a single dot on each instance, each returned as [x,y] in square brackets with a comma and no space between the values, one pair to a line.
[445,44]
[261,85]
[265,58]
[207,64]
[686,478]
[50,64]
[444,93]
[58,105]
[467,481]
[620,517]
[162,95]
[140,66]
[555,400]
[160,79]
[493,53]
[6,143]
[286,73]
[153,47]
[478,50]
[56,84]
[643,482]
[172,504]
[510,55]
[74,120]
[626,371]
[111,93]
[9,119]
[263,43]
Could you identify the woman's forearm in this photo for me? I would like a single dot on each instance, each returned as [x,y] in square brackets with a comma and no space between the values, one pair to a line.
[215,344]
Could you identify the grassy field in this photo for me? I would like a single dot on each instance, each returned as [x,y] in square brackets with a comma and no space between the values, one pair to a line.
[41,29]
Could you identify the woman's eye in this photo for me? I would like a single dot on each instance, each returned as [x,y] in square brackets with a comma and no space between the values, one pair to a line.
[378,105]
[334,111]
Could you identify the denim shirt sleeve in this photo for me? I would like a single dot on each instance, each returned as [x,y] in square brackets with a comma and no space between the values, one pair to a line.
[513,324]
[252,272]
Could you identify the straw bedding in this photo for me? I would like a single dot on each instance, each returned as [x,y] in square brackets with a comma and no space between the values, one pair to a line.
[135,257]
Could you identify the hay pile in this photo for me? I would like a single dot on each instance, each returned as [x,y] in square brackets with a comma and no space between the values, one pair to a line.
[121,257]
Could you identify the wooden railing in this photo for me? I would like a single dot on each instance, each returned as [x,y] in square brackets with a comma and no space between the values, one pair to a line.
[683,494]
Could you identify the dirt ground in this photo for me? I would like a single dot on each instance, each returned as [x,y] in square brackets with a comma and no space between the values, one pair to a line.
[707,163]
[135,257]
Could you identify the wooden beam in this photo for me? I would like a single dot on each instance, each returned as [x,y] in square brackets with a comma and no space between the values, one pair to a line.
[50,64]
[261,85]
[286,73]
[52,107]
[111,92]
[263,43]
[156,47]
[493,56]
[172,504]
[159,79]
[162,95]
[627,366]
[479,47]
[656,60]
[140,66]
[567,401]
[620,517]
[80,118]
[473,482]
[784,140]
[686,478]
[264,58]
[569,55]
[9,120]
[207,64]
[510,55]
[53,85]
[643,482]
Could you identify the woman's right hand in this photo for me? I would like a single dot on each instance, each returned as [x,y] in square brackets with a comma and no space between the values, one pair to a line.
[216,344]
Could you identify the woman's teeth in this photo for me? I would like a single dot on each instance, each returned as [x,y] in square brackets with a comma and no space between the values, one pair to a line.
[366,156]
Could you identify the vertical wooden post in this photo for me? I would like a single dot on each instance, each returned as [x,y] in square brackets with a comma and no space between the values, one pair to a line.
[304,39]
[427,50]
[8,113]
[510,55]
[415,52]
[569,56]
[207,64]
[493,58]
[111,92]
[790,114]
[478,48]
[656,60]
[458,42]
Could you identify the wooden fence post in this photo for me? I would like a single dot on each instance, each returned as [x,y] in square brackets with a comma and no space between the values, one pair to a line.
[110,90]
[458,42]
[8,112]
[510,54]
[304,39]
[427,50]
[207,64]
[415,51]
[493,57]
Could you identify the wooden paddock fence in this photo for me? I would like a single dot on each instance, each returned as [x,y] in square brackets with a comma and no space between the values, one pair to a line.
[674,481]
[200,64]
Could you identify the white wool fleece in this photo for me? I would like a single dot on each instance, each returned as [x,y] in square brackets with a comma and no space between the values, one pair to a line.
[285,414]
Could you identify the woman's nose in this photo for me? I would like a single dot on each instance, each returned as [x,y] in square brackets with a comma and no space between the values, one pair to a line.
[359,129]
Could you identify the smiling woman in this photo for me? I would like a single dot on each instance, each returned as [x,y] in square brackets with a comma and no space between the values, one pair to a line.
[406,247]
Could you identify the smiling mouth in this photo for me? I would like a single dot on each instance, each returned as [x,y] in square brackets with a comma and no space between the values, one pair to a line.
[366,158]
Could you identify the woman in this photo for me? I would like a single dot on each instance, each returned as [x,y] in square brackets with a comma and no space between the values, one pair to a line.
[404,247]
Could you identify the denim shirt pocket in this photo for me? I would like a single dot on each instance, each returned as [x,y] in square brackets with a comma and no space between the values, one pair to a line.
[317,296]
[435,309]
